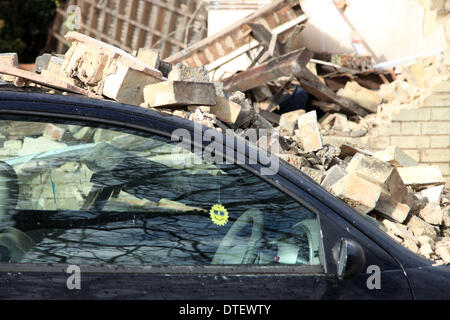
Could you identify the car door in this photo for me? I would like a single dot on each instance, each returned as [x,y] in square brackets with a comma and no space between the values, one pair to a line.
[96,210]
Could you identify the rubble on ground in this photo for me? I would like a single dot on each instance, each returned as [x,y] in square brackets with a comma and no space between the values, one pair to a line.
[407,201]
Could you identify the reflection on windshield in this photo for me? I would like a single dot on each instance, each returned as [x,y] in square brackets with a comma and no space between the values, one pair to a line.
[112,197]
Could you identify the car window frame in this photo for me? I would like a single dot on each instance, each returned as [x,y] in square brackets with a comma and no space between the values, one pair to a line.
[274,181]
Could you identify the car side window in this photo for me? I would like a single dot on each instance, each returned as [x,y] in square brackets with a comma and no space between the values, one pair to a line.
[88,194]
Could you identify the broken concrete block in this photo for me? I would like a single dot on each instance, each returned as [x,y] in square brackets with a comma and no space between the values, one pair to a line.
[72,58]
[360,194]
[289,120]
[369,168]
[392,235]
[247,113]
[329,156]
[55,64]
[296,161]
[411,245]
[91,67]
[432,213]
[397,188]
[127,85]
[327,120]
[442,248]
[389,207]
[432,194]
[421,176]
[55,71]
[426,250]
[220,92]
[425,239]
[349,150]
[415,74]
[366,98]
[333,175]
[226,110]
[181,72]
[315,174]
[396,157]
[399,230]
[421,228]
[379,172]
[178,93]
[10,59]
[415,203]
[150,57]
[309,133]
[341,122]
[42,62]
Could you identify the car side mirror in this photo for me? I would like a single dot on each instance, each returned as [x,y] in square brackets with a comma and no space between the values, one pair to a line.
[350,259]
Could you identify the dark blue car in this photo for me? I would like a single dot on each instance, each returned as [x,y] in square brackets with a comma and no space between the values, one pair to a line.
[101,200]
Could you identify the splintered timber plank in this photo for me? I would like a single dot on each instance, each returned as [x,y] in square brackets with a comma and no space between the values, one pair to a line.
[286,65]
[231,38]
[43,80]
[315,87]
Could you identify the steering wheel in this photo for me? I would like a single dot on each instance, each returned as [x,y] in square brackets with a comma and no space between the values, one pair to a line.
[223,251]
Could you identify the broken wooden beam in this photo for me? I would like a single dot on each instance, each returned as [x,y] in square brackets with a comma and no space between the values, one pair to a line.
[315,87]
[283,66]
[270,116]
[45,81]
[266,39]
[326,106]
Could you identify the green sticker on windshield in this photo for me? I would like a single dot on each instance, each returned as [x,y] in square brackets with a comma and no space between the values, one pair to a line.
[219,215]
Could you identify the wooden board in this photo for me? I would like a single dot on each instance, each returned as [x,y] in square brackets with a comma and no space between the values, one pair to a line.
[43,80]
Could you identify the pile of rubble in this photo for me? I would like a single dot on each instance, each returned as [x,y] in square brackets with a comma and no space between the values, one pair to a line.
[407,201]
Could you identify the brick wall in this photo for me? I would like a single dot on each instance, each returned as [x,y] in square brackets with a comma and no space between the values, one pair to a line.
[423,133]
